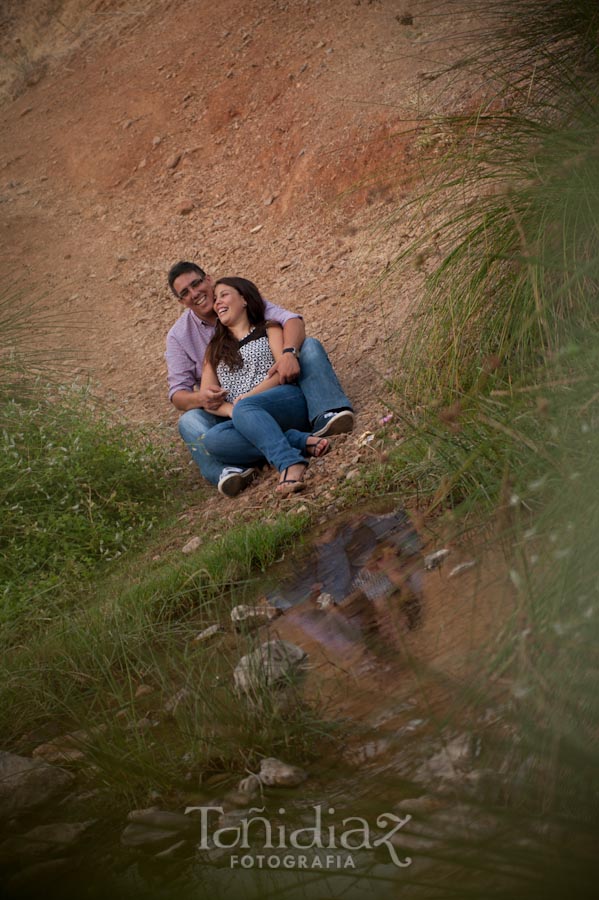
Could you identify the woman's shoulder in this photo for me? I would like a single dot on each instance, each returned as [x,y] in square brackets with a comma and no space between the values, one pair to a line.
[259,331]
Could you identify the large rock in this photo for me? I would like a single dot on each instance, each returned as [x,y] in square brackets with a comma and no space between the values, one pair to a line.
[163,819]
[44,840]
[141,837]
[155,829]
[274,663]
[28,783]
[28,881]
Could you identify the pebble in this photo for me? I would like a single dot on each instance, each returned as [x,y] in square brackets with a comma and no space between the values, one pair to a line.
[67,747]
[193,544]
[256,229]
[185,208]
[434,560]
[275,773]
[143,690]
[448,764]
[143,724]
[324,601]
[272,663]
[174,161]
[256,613]
[249,785]
[171,706]
[462,567]
[208,633]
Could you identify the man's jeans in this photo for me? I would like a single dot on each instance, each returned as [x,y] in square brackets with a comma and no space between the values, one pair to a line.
[321,390]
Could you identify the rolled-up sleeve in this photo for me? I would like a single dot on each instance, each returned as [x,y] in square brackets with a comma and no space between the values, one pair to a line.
[180,366]
[278,314]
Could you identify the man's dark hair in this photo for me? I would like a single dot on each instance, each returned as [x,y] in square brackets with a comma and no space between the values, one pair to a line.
[181,268]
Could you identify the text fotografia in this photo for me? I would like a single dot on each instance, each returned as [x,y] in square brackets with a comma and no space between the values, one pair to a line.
[353,833]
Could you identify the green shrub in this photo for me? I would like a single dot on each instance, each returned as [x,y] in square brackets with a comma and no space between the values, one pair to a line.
[76,491]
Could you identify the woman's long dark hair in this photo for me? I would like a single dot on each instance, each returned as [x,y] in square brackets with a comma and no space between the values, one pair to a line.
[224,347]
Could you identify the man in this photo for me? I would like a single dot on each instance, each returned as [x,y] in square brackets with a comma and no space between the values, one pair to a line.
[304,360]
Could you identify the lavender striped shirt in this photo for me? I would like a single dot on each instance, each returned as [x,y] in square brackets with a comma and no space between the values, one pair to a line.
[186,345]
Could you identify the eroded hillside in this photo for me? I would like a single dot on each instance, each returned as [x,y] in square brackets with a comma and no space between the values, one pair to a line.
[270,139]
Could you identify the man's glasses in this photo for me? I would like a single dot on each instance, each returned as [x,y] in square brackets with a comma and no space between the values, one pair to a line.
[193,285]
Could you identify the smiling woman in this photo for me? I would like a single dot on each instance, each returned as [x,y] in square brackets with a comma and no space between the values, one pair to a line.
[240,357]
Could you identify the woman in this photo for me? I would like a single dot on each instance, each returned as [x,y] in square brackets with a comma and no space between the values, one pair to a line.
[271,416]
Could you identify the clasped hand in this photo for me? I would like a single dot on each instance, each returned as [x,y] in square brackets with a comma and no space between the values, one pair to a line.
[287,368]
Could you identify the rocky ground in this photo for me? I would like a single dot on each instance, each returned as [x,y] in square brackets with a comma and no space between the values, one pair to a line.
[271,139]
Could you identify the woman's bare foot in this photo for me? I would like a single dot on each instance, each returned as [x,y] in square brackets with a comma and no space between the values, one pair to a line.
[316,446]
[292,479]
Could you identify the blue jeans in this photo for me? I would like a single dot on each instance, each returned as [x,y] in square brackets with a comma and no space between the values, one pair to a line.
[321,390]
[275,422]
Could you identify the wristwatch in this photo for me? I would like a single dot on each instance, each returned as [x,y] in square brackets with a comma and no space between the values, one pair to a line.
[291,350]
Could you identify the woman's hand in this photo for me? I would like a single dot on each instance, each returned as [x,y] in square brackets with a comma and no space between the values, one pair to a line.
[225,409]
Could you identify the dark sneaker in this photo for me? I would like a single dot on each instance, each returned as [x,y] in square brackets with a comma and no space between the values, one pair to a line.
[339,422]
[233,480]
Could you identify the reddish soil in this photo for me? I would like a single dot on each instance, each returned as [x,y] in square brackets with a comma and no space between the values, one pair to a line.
[294,126]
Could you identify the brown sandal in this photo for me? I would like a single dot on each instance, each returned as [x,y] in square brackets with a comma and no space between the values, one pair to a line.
[320,448]
[290,485]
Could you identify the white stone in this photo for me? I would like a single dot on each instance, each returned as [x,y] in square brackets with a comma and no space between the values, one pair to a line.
[275,773]
[191,545]
[434,560]
[274,662]
[462,567]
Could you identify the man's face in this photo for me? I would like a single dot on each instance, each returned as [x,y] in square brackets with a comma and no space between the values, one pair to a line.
[196,293]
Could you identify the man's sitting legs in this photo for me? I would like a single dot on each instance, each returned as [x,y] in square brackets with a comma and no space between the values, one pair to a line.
[329,408]
[193,425]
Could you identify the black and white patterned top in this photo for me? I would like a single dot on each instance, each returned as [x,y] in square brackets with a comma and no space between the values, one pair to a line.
[257,360]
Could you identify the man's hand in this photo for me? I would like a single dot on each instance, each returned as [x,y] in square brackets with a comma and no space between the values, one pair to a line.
[287,368]
[211,397]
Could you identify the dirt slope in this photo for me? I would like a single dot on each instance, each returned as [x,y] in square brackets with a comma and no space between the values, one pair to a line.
[260,138]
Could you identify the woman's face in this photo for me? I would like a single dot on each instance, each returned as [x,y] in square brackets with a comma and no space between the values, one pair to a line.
[229,305]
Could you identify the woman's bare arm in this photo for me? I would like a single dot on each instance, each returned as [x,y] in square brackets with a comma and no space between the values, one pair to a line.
[210,379]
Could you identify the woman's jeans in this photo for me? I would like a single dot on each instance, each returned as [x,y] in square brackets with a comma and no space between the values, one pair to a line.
[321,390]
[275,422]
